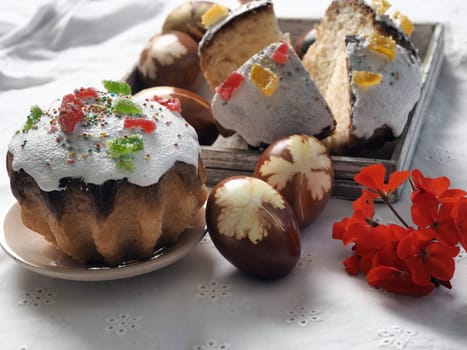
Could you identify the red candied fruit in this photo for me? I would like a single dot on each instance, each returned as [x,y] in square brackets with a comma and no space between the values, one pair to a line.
[86,93]
[146,125]
[226,89]
[281,53]
[172,104]
[70,113]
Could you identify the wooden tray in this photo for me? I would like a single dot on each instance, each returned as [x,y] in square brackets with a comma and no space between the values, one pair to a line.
[428,38]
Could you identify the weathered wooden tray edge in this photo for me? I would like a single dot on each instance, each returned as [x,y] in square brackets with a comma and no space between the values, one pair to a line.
[224,162]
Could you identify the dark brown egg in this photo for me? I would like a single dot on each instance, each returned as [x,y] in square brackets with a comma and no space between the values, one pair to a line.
[186,18]
[169,59]
[302,43]
[195,109]
[253,227]
[299,167]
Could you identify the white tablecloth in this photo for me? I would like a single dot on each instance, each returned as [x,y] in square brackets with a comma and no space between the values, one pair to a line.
[50,47]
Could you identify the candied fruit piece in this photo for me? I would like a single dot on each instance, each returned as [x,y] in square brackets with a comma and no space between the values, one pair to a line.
[366,78]
[281,54]
[146,125]
[404,23]
[382,44]
[172,104]
[122,148]
[70,113]
[215,13]
[86,93]
[226,89]
[117,87]
[265,80]
[380,6]
[33,118]
[126,106]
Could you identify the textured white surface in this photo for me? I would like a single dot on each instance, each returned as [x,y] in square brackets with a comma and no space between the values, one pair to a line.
[48,47]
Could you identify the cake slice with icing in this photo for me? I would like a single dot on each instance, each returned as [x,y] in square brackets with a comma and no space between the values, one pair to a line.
[232,40]
[367,69]
[271,96]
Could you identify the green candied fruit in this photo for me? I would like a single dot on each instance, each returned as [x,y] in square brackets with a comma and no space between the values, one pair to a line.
[125,146]
[33,117]
[126,106]
[126,164]
[117,87]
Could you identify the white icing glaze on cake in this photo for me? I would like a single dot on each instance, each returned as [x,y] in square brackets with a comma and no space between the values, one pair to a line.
[389,102]
[296,106]
[48,154]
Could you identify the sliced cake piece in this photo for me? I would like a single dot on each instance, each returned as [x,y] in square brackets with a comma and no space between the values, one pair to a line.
[271,96]
[367,70]
[227,44]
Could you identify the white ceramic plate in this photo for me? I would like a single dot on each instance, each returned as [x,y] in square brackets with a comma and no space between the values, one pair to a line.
[32,251]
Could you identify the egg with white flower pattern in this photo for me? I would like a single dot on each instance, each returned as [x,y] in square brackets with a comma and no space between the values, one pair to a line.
[253,227]
[170,59]
[299,167]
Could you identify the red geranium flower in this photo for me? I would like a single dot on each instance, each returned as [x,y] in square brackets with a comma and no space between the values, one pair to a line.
[426,259]
[428,213]
[396,281]
[436,186]
[373,177]
[459,213]
[402,259]
[373,245]
[364,210]
[352,264]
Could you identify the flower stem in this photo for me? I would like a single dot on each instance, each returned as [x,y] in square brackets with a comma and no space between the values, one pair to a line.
[385,198]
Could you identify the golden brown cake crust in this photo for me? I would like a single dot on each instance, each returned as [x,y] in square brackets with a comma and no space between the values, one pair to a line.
[228,44]
[113,222]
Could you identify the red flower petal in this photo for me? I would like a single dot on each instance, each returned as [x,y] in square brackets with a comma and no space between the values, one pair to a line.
[396,281]
[452,195]
[441,261]
[372,177]
[424,209]
[339,228]
[352,265]
[364,206]
[446,230]
[396,179]
[436,186]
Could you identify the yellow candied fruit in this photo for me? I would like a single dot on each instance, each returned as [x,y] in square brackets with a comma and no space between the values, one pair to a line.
[366,79]
[380,6]
[265,80]
[215,13]
[382,44]
[404,23]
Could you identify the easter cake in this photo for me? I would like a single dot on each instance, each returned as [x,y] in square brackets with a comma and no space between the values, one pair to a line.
[107,177]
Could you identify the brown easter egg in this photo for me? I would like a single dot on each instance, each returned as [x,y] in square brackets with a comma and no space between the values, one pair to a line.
[253,227]
[299,167]
[186,18]
[169,59]
[195,109]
